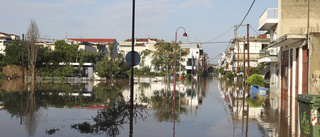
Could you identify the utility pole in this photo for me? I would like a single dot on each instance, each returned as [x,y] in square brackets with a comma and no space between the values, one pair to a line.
[244,60]
[22,60]
[236,37]
[244,77]
[238,60]
[132,71]
[248,74]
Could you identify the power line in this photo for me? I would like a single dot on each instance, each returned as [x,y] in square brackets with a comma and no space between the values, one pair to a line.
[222,34]
[228,45]
[216,56]
[246,14]
[214,42]
[254,29]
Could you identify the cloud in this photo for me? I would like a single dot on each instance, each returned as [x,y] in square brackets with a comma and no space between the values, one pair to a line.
[95,18]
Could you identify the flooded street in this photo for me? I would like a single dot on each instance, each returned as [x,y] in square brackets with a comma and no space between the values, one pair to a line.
[208,108]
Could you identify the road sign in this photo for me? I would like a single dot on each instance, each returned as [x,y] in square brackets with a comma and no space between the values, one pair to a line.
[136,60]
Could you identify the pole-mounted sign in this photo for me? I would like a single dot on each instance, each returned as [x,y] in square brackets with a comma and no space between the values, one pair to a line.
[136,60]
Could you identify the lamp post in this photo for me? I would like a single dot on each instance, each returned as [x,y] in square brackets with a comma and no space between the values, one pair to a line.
[175,58]
[174,72]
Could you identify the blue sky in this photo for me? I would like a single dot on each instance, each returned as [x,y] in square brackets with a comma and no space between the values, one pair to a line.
[204,20]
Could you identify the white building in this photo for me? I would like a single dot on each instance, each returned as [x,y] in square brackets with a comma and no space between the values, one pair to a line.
[196,58]
[5,40]
[94,45]
[140,45]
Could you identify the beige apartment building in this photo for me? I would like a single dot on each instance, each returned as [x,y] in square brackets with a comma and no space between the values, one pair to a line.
[295,35]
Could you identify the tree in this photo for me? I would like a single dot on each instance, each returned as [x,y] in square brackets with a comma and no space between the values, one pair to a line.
[32,37]
[144,54]
[65,51]
[13,53]
[163,57]
[110,51]
[107,69]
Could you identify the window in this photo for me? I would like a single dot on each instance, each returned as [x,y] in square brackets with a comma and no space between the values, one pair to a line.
[246,46]
[264,46]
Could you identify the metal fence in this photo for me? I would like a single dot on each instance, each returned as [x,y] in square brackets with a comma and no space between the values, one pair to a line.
[58,79]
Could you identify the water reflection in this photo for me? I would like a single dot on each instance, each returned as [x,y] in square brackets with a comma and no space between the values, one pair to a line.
[259,112]
[99,109]
[110,120]
[23,105]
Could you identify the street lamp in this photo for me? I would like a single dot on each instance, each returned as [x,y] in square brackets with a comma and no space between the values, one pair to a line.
[175,58]
[175,75]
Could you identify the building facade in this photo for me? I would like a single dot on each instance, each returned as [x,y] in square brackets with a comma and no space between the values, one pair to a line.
[295,37]
[5,40]
[141,44]
[94,45]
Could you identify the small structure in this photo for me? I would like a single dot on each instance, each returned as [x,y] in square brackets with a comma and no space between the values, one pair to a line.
[257,90]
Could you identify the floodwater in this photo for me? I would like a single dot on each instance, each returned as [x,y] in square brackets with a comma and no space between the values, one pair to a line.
[207,108]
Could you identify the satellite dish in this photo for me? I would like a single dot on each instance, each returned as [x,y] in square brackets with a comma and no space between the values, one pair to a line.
[136,60]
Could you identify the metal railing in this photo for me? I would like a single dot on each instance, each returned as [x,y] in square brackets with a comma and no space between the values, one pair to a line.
[272,52]
[58,79]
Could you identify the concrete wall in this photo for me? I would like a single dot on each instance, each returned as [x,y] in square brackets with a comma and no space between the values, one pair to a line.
[314,51]
[294,14]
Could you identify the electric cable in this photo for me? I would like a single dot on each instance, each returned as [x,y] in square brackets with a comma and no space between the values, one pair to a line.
[246,14]
[254,30]
[222,34]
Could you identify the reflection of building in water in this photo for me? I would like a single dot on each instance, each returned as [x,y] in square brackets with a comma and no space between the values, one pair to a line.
[1,105]
[233,98]
[145,91]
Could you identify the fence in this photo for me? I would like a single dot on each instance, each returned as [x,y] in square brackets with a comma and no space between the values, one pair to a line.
[58,79]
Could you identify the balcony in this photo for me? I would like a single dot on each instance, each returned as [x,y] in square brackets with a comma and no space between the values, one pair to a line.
[268,55]
[268,19]
[190,67]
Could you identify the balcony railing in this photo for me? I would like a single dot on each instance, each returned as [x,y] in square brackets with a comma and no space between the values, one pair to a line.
[272,52]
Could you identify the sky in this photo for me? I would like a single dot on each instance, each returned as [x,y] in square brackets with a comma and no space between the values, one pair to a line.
[204,20]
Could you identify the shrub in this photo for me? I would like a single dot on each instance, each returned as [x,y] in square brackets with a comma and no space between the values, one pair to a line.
[255,102]
[187,76]
[221,70]
[228,75]
[255,79]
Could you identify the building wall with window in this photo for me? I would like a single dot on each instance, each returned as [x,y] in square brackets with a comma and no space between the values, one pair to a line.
[140,45]
[5,40]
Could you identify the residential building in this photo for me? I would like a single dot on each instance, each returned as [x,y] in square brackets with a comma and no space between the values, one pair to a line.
[296,38]
[140,45]
[225,60]
[94,45]
[46,44]
[240,46]
[5,40]
[197,59]
[268,22]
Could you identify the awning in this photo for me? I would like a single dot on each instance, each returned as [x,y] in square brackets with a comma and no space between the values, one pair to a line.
[288,39]
[265,70]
